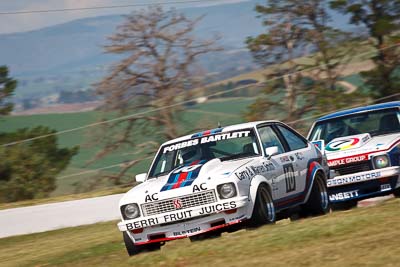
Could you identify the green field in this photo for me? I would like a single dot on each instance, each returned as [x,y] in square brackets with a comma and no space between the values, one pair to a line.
[224,110]
[201,116]
[359,237]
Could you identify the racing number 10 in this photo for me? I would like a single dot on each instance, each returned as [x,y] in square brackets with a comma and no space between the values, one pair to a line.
[289,178]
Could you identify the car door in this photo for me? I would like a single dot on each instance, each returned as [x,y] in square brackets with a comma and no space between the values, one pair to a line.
[269,138]
[294,161]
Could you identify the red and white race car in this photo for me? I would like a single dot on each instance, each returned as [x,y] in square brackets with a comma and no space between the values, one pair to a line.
[363,151]
[218,180]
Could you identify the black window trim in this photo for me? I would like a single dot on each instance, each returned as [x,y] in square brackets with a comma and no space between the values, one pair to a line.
[281,138]
[274,126]
[295,133]
[278,134]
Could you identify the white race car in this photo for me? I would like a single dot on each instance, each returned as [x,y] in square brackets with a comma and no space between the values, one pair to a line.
[202,184]
[363,151]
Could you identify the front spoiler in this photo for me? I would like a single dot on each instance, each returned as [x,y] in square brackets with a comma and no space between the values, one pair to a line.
[192,234]
[364,185]
[363,176]
[184,214]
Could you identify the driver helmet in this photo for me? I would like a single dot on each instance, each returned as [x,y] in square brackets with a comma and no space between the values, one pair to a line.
[190,154]
[337,127]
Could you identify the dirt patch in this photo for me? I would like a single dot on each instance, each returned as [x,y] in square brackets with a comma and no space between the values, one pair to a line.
[61,108]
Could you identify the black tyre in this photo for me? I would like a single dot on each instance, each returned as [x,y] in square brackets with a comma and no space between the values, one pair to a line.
[151,247]
[396,192]
[344,205]
[133,249]
[264,208]
[201,237]
[318,202]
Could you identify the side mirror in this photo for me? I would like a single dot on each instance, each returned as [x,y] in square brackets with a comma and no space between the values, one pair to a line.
[140,178]
[320,144]
[271,151]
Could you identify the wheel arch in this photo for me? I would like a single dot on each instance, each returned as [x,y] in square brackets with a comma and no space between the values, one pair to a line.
[256,182]
[314,170]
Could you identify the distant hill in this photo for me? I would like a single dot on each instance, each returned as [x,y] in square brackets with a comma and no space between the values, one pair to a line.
[70,57]
[77,44]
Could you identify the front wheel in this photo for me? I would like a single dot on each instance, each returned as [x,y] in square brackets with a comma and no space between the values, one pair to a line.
[396,192]
[201,237]
[318,202]
[133,249]
[264,208]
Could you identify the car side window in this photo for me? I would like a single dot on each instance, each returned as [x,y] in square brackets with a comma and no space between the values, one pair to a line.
[166,162]
[294,140]
[269,138]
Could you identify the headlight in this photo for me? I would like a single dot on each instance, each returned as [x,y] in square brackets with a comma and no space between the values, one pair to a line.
[227,190]
[381,161]
[130,211]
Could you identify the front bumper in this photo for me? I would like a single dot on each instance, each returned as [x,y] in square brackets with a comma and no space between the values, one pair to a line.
[363,185]
[186,222]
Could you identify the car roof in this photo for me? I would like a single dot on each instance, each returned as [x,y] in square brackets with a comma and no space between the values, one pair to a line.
[234,127]
[341,113]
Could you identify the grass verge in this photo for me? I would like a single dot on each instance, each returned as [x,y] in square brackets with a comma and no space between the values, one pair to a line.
[360,237]
[39,201]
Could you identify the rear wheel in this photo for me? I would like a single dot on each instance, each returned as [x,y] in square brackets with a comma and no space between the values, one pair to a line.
[264,208]
[318,202]
[133,249]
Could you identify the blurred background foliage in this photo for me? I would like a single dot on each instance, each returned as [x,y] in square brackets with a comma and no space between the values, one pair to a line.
[299,64]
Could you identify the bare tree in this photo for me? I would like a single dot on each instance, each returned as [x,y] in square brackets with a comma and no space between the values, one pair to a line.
[283,40]
[381,19]
[158,66]
[334,50]
[294,28]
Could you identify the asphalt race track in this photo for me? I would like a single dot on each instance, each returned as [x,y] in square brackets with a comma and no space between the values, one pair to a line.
[40,218]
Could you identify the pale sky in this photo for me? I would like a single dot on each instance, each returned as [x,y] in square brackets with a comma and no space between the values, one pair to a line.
[26,22]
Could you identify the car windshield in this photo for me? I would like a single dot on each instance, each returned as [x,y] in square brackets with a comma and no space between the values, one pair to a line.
[225,146]
[375,123]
